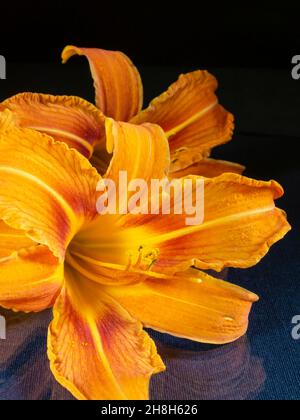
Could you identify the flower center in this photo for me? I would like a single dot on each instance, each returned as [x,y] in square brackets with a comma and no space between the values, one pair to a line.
[109,255]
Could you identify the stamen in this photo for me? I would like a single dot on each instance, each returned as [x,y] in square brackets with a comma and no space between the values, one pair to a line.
[143,258]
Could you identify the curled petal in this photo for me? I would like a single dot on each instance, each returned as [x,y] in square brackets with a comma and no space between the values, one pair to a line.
[142,151]
[200,308]
[66,118]
[46,189]
[209,168]
[12,240]
[96,349]
[240,224]
[191,116]
[30,279]
[118,85]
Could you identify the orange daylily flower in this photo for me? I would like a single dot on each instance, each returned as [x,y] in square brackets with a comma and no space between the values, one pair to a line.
[108,276]
[188,112]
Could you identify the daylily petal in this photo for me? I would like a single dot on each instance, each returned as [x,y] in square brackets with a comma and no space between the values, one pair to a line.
[140,150]
[119,90]
[200,308]
[12,240]
[66,118]
[30,279]
[240,224]
[96,349]
[209,168]
[190,115]
[7,120]
[46,189]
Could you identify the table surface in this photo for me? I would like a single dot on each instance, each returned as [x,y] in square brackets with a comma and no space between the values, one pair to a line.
[266,363]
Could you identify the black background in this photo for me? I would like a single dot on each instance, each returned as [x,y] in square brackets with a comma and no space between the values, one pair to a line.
[197,33]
